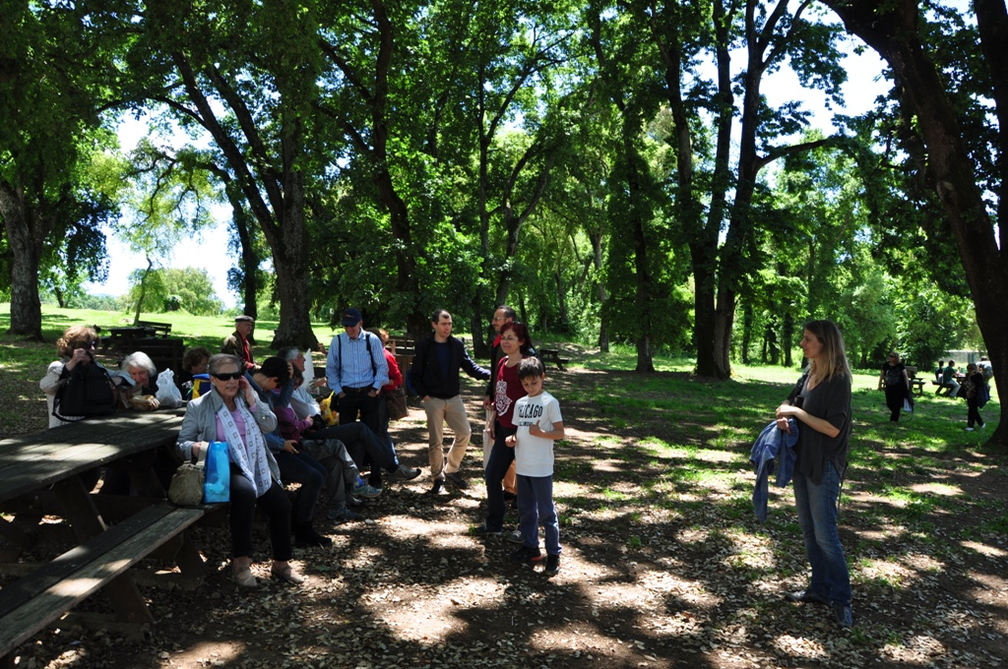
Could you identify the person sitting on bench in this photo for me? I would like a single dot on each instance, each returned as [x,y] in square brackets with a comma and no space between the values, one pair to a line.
[948,380]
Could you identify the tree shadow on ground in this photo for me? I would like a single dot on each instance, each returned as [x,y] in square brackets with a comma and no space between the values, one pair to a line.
[664,563]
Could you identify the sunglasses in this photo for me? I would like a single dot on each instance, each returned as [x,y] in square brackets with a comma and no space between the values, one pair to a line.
[233,376]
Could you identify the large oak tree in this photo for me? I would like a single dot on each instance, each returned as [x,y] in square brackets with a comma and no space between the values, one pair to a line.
[895,29]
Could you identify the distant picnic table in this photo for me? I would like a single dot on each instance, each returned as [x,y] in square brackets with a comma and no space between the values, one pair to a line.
[551,356]
[150,337]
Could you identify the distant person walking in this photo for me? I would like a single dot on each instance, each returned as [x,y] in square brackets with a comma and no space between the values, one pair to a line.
[975,383]
[896,383]
[822,405]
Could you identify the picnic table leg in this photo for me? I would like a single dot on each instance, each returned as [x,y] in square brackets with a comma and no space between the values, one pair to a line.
[189,560]
[15,535]
[86,522]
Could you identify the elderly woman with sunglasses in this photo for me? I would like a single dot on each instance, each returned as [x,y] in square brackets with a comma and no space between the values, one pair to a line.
[232,412]
[75,347]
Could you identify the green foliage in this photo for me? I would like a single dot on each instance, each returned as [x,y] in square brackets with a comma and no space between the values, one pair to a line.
[188,289]
[934,323]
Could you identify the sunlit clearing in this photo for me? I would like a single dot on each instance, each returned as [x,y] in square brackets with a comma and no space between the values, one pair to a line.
[943,489]
[984,549]
[413,618]
[797,647]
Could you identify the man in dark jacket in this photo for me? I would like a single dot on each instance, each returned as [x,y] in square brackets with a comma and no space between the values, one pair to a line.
[435,378]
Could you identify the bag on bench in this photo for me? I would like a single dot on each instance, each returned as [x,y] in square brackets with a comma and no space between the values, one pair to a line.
[186,488]
[88,392]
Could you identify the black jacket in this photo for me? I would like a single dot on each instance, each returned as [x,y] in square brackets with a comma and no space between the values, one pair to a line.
[425,374]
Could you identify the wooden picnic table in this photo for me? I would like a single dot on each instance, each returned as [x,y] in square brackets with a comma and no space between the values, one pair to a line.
[119,336]
[50,473]
[552,356]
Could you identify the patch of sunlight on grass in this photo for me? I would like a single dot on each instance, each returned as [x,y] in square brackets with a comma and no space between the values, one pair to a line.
[675,451]
[984,549]
[607,440]
[614,495]
[729,437]
[934,488]
[883,573]
[716,455]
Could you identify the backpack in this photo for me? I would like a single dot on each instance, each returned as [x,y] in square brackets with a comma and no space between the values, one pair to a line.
[88,392]
[983,395]
[894,375]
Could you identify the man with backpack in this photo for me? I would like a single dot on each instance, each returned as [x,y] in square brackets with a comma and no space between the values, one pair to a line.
[356,371]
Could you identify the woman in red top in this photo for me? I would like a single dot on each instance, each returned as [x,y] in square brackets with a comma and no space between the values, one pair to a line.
[395,380]
[514,341]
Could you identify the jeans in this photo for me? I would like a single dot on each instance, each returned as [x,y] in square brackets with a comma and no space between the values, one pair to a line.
[535,503]
[817,515]
[364,446]
[304,469]
[501,458]
[342,470]
[274,503]
[451,411]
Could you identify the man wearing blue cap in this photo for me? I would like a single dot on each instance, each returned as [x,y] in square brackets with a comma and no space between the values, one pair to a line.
[356,371]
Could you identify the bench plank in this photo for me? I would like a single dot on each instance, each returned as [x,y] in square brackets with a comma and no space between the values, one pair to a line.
[31,603]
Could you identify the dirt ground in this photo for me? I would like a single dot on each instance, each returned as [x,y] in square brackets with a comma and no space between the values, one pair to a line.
[662,567]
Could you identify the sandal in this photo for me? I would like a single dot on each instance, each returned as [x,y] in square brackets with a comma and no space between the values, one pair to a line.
[287,573]
[244,578]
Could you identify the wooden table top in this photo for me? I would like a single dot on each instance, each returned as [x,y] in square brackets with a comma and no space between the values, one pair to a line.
[32,461]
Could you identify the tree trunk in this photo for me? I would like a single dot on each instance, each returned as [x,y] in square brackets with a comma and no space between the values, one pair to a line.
[787,336]
[645,356]
[143,290]
[603,338]
[25,232]
[250,259]
[290,253]
[747,328]
[892,30]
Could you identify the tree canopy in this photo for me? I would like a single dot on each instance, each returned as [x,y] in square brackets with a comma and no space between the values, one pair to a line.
[615,171]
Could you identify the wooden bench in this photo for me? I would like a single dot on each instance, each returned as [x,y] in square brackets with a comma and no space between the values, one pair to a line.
[552,356]
[403,347]
[916,385]
[159,329]
[31,603]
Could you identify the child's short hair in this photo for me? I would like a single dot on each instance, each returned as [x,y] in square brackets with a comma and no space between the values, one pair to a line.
[530,366]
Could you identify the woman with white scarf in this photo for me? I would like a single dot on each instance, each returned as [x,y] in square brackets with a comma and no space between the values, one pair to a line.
[232,413]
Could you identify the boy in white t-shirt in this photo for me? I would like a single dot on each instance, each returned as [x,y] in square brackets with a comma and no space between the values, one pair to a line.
[539,422]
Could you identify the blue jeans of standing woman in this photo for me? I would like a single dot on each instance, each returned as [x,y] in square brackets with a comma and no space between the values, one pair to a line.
[501,458]
[816,504]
